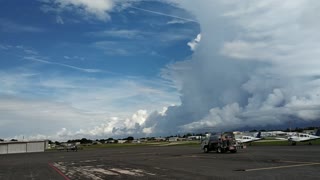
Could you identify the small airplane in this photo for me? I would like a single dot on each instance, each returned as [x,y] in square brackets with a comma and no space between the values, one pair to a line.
[248,139]
[302,137]
[68,147]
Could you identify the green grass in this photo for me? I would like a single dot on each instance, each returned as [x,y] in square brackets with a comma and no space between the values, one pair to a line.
[189,143]
[98,146]
[126,145]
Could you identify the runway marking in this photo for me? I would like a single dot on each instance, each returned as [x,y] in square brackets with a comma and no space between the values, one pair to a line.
[298,162]
[190,156]
[281,167]
[94,172]
[58,171]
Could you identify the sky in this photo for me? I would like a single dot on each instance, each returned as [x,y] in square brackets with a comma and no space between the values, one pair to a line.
[117,68]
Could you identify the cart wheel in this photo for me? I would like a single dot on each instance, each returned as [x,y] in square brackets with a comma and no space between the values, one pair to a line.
[205,149]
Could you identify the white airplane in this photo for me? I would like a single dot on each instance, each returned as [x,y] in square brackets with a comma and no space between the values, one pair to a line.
[248,139]
[286,136]
[302,137]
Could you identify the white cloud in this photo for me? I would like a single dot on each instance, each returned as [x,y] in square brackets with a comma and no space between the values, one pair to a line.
[13,27]
[19,49]
[5,47]
[74,58]
[86,107]
[258,65]
[121,33]
[177,21]
[194,43]
[59,20]
[147,131]
[218,119]
[110,127]
[99,9]
[40,116]
[137,119]
[282,39]
[117,48]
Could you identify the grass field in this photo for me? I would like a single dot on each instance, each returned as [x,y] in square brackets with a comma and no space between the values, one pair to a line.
[179,143]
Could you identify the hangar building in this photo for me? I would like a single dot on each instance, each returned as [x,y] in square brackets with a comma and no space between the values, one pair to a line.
[22,147]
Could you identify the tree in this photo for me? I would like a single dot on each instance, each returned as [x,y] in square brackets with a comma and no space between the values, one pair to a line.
[151,138]
[57,143]
[130,138]
[85,141]
[298,129]
[13,140]
[102,141]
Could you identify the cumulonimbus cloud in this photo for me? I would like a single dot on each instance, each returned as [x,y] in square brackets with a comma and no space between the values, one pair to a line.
[257,65]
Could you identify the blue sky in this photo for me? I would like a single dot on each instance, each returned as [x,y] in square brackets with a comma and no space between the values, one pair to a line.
[113,68]
[131,43]
[107,64]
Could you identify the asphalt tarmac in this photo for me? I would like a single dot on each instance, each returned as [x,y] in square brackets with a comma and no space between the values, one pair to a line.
[172,162]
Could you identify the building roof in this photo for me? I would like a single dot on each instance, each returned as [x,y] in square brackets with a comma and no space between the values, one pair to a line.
[19,142]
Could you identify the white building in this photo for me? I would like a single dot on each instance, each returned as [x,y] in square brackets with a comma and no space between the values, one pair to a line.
[122,141]
[22,147]
[172,139]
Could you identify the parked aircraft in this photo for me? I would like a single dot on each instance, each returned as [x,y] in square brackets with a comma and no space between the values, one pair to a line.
[302,137]
[248,139]
[68,147]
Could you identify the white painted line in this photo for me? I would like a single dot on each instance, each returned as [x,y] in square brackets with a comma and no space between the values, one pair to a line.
[281,167]
[298,162]
[125,171]
[103,171]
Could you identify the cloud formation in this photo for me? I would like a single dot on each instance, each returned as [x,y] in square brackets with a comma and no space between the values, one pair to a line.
[121,33]
[85,107]
[8,26]
[194,43]
[98,9]
[257,65]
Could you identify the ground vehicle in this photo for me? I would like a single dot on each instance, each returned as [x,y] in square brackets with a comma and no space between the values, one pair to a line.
[220,142]
[72,148]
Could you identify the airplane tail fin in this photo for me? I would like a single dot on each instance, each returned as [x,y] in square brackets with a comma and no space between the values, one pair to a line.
[318,132]
[258,135]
